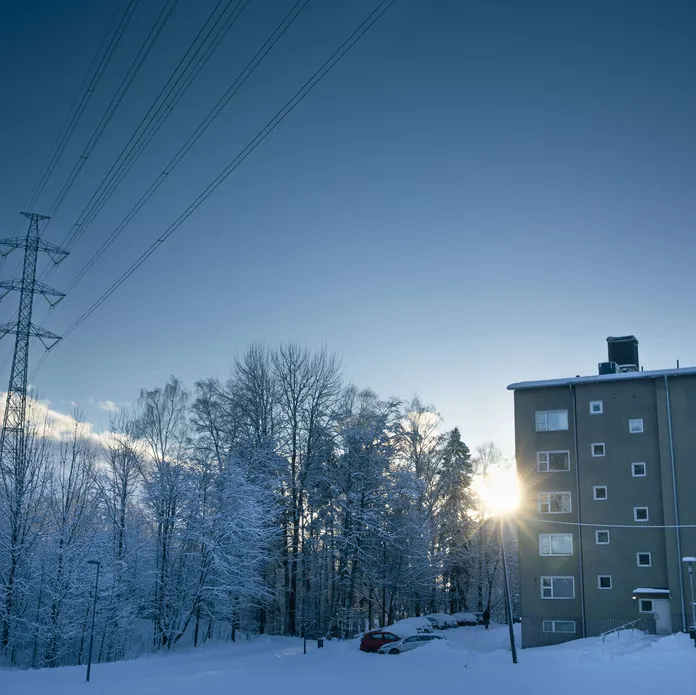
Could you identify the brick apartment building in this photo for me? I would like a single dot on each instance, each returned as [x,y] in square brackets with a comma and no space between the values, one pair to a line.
[607,470]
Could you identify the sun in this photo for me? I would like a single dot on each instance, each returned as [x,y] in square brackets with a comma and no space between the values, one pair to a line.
[498,491]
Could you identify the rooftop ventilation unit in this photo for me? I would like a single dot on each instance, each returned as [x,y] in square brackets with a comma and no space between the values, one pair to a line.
[624,352]
[608,368]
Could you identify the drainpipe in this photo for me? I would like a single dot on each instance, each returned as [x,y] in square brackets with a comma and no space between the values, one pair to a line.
[577,487]
[676,506]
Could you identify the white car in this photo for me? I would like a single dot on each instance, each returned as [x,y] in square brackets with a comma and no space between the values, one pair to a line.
[414,625]
[441,621]
[408,643]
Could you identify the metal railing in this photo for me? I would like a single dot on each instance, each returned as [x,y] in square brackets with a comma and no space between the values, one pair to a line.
[627,626]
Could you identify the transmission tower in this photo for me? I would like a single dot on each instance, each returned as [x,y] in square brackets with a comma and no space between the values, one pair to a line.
[12,439]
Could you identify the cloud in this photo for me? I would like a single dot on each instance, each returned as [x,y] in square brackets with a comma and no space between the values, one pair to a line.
[109,406]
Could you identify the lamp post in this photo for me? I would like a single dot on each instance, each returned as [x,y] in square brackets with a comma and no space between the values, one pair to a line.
[508,603]
[690,561]
[94,612]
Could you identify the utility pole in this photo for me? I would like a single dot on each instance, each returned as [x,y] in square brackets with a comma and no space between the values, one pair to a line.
[13,436]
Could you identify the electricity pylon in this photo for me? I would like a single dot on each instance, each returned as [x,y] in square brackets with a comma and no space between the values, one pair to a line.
[13,439]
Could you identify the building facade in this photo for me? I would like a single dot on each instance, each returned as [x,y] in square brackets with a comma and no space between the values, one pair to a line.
[607,472]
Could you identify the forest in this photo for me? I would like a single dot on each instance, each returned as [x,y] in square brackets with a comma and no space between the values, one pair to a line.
[281,501]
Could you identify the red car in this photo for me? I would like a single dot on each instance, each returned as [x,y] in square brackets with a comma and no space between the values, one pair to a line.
[373,640]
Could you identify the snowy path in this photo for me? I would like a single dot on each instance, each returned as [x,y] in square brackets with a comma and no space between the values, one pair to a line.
[630,664]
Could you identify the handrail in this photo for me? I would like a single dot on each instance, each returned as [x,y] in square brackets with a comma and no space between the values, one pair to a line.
[621,627]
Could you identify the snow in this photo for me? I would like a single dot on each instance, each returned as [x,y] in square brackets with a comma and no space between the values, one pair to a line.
[654,374]
[650,591]
[469,660]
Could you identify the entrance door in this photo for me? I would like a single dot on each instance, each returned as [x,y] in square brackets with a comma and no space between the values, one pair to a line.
[663,616]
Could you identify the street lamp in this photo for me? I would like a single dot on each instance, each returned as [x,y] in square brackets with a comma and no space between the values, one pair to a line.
[690,561]
[508,601]
[94,611]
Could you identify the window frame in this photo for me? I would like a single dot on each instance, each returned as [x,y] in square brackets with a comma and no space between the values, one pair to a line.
[635,515]
[550,542]
[555,492]
[548,461]
[599,582]
[544,623]
[556,598]
[631,423]
[597,532]
[633,469]
[601,408]
[546,414]
[604,450]
[595,488]
[638,562]
[641,601]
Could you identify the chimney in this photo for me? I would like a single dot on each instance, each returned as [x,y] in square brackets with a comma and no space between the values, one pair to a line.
[623,351]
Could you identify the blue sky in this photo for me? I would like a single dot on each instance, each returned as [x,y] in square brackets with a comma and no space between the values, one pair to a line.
[478,194]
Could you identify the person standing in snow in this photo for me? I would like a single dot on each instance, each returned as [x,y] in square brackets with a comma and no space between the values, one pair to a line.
[486,618]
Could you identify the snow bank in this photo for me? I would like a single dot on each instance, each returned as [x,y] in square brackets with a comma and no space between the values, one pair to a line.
[469,660]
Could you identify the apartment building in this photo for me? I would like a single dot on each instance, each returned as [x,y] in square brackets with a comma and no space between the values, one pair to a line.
[607,471]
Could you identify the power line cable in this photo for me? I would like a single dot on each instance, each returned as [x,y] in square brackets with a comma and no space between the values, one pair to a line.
[164,109]
[179,81]
[301,93]
[248,70]
[82,98]
[133,70]
[78,106]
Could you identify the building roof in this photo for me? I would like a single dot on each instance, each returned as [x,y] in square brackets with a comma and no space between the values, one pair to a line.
[599,378]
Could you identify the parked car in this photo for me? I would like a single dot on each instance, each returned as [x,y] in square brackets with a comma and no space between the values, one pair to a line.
[408,643]
[441,621]
[374,639]
[419,624]
[468,619]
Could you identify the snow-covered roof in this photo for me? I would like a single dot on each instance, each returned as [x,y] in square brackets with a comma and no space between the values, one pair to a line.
[650,591]
[623,376]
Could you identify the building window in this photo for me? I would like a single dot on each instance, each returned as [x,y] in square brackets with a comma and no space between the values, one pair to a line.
[554,503]
[645,605]
[557,587]
[643,559]
[553,461]
[601,537]
[598,449]
[640,513]
[555,544]
[600,492]
[635,426]
[604,581]
[596,407]
[567,626]
[638,470]
[551,420]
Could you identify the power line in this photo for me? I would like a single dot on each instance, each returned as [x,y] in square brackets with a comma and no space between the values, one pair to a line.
[82,98]
[177,84]
[603,526]
[116,100]
[248,70]
[79,105]
[301,93]
[162,112]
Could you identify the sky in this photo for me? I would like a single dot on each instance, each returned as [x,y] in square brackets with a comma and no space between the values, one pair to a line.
[478,194]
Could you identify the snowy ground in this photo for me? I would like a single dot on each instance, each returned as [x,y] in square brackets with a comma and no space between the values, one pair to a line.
[472,660]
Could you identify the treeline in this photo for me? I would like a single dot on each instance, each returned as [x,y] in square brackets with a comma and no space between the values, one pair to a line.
[282,501]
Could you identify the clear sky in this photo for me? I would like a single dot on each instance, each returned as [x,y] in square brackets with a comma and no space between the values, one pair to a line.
[478,194]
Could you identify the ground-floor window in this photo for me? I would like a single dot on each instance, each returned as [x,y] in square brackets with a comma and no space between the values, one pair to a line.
[567,626]
[645,605]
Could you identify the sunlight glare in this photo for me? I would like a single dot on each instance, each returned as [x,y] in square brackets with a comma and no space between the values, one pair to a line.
[498,491]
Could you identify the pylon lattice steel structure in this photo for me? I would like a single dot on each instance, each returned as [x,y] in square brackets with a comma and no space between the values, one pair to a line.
[13,439]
